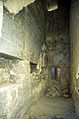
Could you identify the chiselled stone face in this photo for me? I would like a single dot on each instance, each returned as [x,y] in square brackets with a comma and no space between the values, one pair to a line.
[14,6]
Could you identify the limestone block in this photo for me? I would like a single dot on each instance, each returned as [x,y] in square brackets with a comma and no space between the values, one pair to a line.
[18,90]
[65,91]
[15,6]
[25,24]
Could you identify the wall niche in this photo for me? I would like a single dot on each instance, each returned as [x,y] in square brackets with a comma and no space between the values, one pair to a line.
[33,67]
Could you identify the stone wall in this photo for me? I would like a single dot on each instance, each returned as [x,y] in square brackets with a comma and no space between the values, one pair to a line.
[74,36]
[1,17]
[58,49]
[18,87]
[24,33]
[14,7]
[21,43]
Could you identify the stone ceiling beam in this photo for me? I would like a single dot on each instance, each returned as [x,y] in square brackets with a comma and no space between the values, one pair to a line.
[14,6]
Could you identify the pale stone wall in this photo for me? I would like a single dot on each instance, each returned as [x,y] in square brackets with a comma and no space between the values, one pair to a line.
[24,33]
[18,87]
[14,7]
[1,17]
[74,36]
[21,43]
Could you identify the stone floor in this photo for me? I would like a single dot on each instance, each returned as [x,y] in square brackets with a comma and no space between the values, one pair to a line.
[52,108]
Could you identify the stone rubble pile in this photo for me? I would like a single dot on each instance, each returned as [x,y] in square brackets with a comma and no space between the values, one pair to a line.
[55,91]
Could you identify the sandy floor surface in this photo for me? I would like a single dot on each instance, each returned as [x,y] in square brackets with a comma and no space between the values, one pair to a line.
[52,108]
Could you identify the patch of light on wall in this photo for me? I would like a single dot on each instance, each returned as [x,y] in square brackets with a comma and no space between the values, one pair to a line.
[52,8]
[52,5]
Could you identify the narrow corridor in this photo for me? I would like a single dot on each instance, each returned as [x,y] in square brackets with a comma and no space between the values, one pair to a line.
[39,59]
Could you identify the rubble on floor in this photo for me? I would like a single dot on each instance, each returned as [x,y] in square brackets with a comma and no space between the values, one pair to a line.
[55,91]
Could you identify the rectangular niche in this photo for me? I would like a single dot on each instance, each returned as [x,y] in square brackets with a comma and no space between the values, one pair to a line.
[33,67]
[55,73]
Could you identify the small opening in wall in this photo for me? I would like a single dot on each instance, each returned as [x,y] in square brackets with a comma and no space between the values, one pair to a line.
[33,67]
[55,73]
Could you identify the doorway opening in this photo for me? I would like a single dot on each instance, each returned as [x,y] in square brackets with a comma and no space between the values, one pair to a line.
[55,73]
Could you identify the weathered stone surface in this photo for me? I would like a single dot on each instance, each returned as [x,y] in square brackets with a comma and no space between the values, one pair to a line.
[21,43]
[1,17]
[15,6]
[74,36]
[18,88]
[65,91]
[28,41]
[54,90]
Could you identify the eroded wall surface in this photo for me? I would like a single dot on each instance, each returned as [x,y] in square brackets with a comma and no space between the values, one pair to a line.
[74,36]
[18,87]
[1,17]
[24,33]
[21,43]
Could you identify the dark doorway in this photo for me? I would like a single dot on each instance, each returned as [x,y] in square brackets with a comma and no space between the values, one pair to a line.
[55,73]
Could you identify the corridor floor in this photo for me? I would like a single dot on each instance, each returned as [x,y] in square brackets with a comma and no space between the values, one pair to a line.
[52,108]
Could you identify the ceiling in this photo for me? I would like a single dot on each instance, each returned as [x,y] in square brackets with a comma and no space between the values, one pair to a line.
[14,6]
